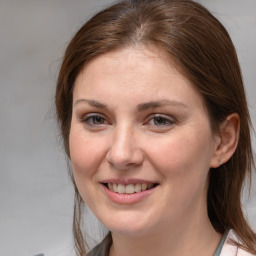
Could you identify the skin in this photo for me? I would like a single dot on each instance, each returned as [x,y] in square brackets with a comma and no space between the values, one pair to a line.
[119,141]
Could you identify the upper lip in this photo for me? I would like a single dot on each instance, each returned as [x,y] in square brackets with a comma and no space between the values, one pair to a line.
[128,181]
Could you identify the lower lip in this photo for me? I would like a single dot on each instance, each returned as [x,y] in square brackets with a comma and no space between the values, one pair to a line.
[127,198]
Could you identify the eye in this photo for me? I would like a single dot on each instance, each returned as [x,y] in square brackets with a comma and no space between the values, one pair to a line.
[94,119]
[160,120]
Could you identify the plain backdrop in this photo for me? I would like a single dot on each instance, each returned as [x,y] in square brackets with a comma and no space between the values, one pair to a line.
[36,196]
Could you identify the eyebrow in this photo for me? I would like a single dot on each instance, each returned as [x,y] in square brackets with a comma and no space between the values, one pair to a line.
[141,107]
[161,103]
[92,103]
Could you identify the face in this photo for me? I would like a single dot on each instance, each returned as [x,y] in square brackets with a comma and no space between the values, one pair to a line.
[141,144]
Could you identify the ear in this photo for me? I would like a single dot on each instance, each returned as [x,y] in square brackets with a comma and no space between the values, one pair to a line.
[226,143]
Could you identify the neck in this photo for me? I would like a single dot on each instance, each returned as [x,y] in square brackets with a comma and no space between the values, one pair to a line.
[194,238]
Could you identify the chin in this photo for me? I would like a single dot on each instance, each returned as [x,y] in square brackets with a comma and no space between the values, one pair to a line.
[128,224]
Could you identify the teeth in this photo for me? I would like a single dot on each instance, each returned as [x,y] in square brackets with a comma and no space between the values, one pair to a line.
[150,186]
[143,186]
[110,185]
[121,188]
[114,187]
[130,188]
[137,187]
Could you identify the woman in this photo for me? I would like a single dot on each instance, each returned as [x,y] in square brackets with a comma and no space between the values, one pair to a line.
[153,115]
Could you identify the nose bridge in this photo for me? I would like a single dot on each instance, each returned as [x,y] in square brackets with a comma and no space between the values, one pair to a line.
[124,150]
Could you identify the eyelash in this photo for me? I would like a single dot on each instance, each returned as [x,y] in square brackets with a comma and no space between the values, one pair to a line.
[167,121]
[90,118]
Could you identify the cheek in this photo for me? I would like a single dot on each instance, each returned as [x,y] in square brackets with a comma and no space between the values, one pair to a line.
[85,157]
[183,163]
[85,152]
[185,154]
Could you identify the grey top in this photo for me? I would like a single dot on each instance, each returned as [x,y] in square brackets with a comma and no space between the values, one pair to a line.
[218,250]
[102,249]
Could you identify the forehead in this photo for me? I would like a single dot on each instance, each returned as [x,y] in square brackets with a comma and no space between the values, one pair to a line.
[133,73]
[137,60]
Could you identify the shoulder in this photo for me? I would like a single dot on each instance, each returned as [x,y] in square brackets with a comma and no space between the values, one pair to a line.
[229,249]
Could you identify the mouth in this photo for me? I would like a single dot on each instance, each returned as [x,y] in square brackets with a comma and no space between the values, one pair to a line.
[129,188]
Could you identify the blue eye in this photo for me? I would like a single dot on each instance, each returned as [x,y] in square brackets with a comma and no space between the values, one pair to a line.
[159,120]
[94,120]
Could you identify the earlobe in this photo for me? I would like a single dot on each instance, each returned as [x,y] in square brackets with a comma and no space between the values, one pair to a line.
[228,140]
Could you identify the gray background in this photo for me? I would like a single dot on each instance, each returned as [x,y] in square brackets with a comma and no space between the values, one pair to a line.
[36,197]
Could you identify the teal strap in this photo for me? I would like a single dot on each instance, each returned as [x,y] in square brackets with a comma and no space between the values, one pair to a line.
[218,250]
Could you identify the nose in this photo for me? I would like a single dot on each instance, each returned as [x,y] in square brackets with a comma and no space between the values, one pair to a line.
[124,151]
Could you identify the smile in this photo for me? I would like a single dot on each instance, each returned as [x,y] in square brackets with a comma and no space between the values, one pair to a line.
[129,188]
[128,192]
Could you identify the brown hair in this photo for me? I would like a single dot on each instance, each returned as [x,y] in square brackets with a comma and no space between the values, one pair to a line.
[203,50]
